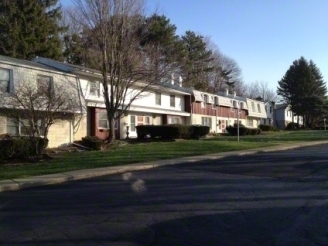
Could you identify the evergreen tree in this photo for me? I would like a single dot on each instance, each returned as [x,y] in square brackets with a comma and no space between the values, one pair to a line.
[30,28]
[304,89]
[197,61]
[158,34]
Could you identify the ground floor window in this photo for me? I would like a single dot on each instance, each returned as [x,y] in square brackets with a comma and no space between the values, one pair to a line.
[235,122]
[103,121]
[132,123]
[18,126]
[250,122]
[174,120]
[207,121]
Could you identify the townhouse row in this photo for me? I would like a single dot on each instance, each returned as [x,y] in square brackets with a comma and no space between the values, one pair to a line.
[169,103]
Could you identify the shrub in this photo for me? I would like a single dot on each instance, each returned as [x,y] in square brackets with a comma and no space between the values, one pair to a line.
[92,142]
[198,131]
[266,128]
[292,126]
[21,147]
[233,131]
[171,131]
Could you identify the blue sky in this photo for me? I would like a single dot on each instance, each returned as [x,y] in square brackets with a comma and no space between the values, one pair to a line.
[263,36]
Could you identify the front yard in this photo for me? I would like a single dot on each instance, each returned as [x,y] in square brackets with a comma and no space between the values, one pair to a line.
[134,152]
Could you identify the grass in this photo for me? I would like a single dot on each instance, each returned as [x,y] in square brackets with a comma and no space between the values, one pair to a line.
[151,151]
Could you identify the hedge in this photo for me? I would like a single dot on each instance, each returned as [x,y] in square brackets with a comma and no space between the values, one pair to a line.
[292,126]
[21,147]
[233,131]
[172,131]
[266,128]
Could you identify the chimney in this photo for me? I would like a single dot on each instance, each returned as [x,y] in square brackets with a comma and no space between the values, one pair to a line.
[172,78]
[180,81]
[227,92]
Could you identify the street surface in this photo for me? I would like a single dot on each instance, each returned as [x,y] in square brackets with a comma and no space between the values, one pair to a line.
[277,198]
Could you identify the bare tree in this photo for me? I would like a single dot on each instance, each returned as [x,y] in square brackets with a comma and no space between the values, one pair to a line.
[36,109]
[261,90]
[128,70]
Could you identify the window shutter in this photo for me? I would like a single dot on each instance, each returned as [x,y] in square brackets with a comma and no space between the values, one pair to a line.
[11,82]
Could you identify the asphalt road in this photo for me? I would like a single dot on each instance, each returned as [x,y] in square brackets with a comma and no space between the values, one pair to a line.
[277,198]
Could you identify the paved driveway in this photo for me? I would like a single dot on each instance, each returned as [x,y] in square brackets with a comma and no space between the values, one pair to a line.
[265,199]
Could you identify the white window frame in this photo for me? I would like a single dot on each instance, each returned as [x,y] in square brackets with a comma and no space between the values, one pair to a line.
[253,106]
[94,88]
[48,86]
[20,127]
[207,121]
[132,123]
[172,101]
[259,107]
[250,122]
[102,113]
[5,80]
[174,120]
[158,98]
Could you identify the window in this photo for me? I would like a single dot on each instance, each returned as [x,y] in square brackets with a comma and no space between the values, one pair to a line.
[44,84]
[103,122]
[147,120]
[4,80]
[216,101]
[259,108]
[158,98]
[174,120]
[250,122]
[235,122]
[205,98]
[207,121]
[22,126]
[12,126]
[94,88]
[172,101]
[253,106]
[270,109]
[133,123]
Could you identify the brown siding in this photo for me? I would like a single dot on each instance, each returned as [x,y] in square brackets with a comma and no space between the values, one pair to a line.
[208,110]
[219,111]
[101,133]
[187,103]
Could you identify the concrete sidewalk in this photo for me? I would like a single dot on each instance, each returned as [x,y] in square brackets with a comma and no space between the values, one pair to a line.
[21,183]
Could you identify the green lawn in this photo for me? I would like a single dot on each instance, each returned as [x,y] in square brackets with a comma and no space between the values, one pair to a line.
[142,152]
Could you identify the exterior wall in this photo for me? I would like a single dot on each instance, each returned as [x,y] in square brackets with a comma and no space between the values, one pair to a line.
[146,99]
[62,132]
[79,127]
[3,124]
[253,122]
[284,116]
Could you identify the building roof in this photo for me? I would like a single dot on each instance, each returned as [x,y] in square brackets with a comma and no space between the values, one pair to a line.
[26,63]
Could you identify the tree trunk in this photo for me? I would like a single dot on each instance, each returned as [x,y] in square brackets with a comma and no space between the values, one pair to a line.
[112,131]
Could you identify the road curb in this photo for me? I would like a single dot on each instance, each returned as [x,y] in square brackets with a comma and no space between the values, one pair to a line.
[50,179]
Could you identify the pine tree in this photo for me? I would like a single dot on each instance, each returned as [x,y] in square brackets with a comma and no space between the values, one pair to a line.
[197,61]
[30,28]
[304,89]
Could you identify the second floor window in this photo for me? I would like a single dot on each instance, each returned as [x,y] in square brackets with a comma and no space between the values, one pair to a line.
[172,101]
[158,100]
[44,84]
[253,106]
[259,108]
[4,80]
[94,88]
